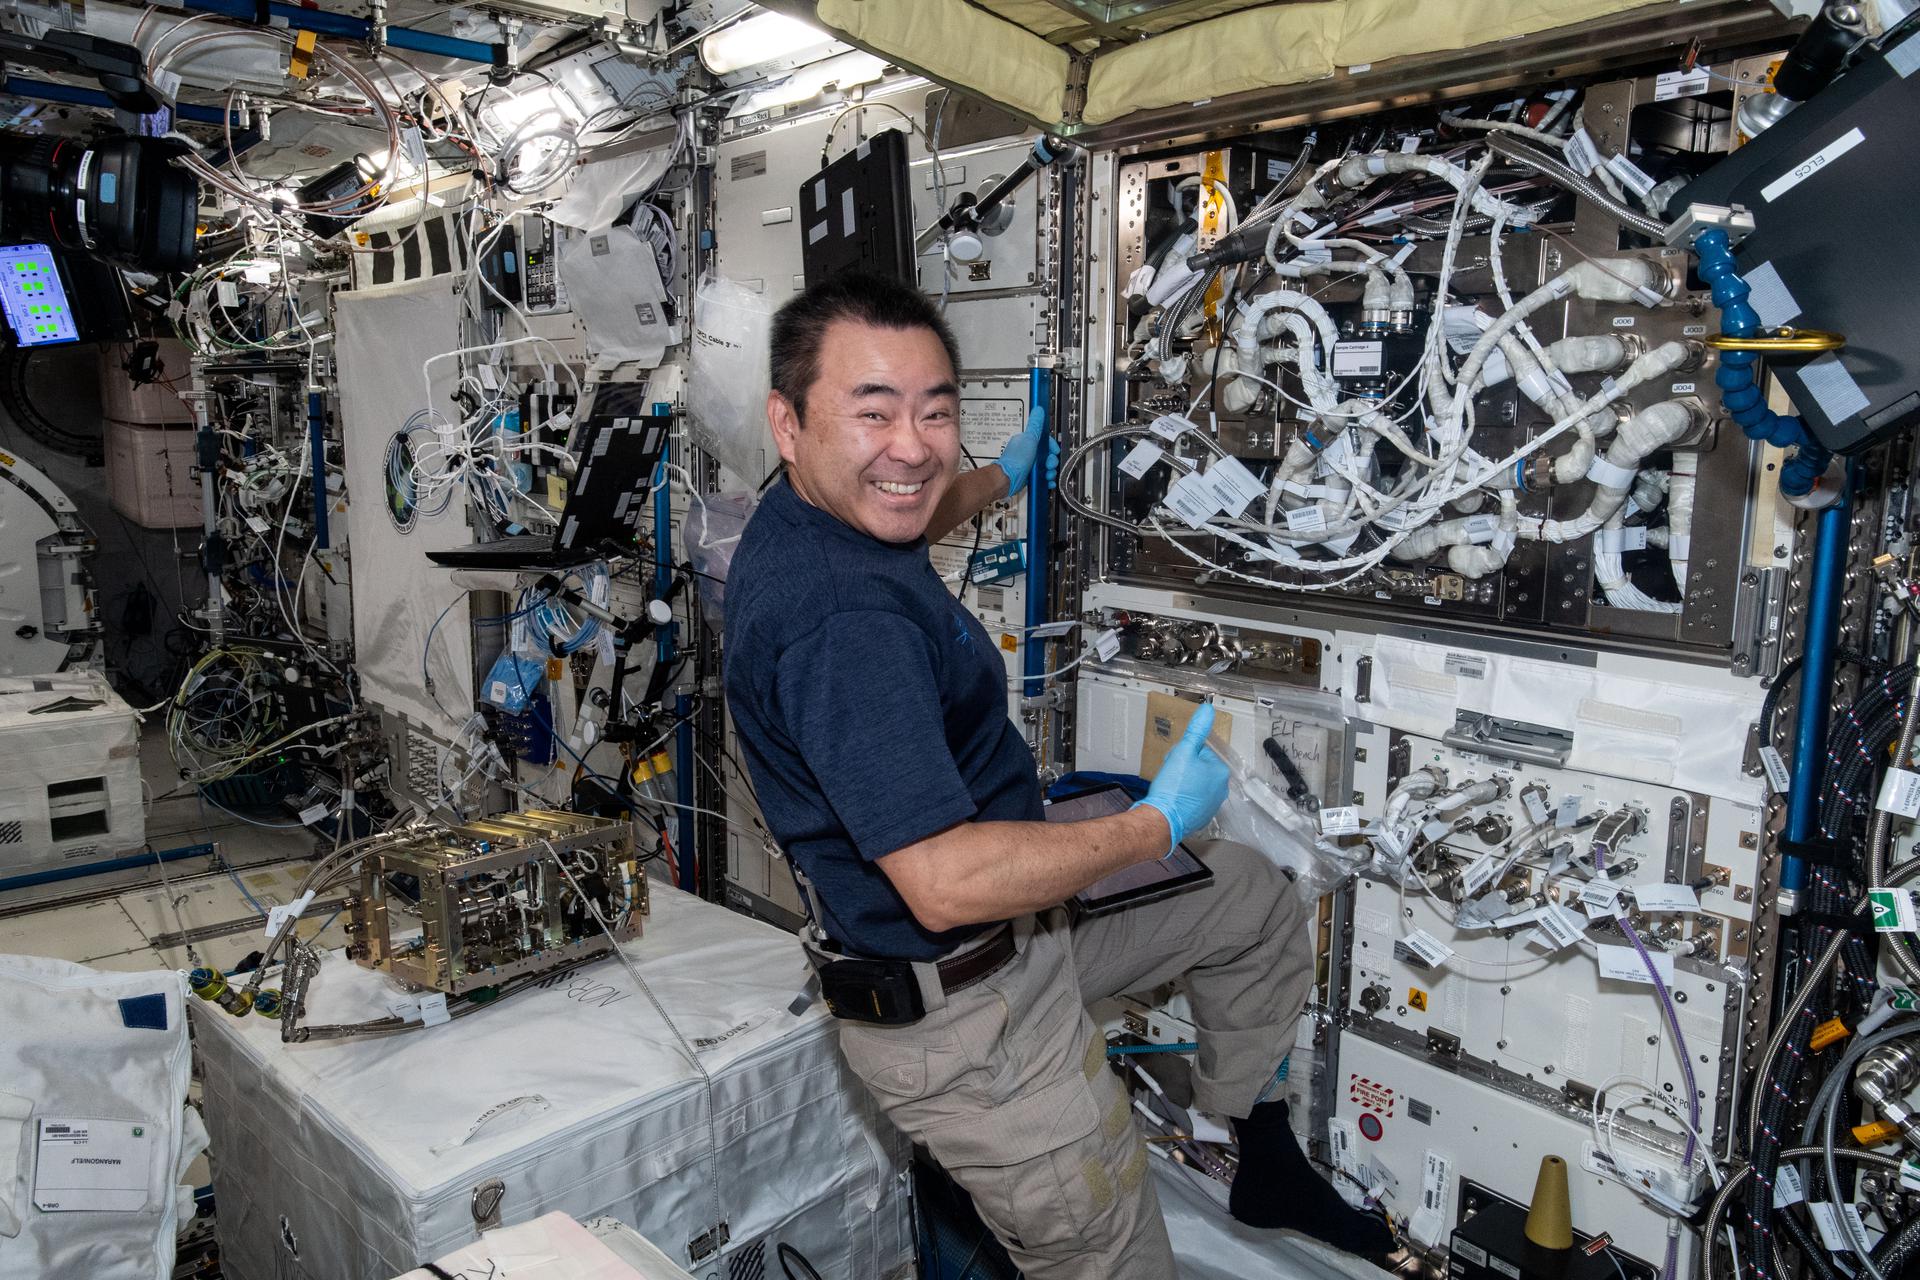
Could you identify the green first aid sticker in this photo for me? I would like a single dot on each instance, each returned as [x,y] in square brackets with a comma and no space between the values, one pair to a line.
[1893,911]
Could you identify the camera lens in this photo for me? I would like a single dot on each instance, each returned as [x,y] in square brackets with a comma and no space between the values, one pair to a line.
[119,198]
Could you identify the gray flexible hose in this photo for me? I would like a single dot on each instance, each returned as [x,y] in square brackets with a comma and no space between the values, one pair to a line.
[1529,157]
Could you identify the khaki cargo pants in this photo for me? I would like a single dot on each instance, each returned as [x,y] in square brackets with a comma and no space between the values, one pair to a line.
[1006,1083]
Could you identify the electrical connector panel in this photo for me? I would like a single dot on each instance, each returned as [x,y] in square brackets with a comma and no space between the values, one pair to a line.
[1344,233]
[497,898]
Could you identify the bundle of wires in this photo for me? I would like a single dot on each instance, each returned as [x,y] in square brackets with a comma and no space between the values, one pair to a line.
[1372,477]
[226,716]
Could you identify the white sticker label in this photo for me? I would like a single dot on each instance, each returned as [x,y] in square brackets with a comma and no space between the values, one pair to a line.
[1787,1188]
[1535,803]
[1478,872]
[1832,1233]
[406,1008]
[1623,964]
[279,917]
[1623,322]
[1611,475]
[258,525]
[1140,459]
[1466,666]
[1568,813]
[1234,484]
[1558,929]
[1599,897]
[1306,520]
[1812,165]
[1776,769]
[1669,898]
[1343,821]
[1357,359]
[1682,388]
[1106,645]
[1435,831]
[1052,630]
[314,813]
[1900,793]
[1427,947]
[1337,456]
[1171,426]
[1582,154]
[1193,500]
[433,1009]
[88,1164]
[1682,84]
[1480,529]
[1429,1222]
[1631,175]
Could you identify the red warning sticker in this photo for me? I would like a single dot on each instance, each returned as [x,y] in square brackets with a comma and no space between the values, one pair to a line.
[1370,1095]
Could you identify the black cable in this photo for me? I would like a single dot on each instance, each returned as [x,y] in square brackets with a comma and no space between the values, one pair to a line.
[1811,1250]
[1896,1250]
[789,1255]
[1788,670]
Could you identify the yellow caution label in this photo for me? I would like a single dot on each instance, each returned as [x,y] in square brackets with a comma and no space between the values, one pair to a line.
[556,667]
[1010,643]
[1417,999]
[1827,1032]
[300,62]
[1876,1133]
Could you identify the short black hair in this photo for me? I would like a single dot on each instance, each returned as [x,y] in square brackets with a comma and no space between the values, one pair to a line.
[800,327]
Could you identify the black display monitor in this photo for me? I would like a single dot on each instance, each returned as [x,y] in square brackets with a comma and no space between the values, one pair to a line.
[857,213]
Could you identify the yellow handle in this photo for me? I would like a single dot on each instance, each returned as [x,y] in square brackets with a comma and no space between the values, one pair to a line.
[1783,340]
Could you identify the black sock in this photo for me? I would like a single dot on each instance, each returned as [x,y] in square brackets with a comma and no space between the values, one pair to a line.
[1277,1186]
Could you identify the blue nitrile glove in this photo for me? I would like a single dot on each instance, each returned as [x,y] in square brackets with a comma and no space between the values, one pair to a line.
[1017,458]
[1192,782]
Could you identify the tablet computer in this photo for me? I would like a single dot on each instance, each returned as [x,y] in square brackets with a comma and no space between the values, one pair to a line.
[1141,883]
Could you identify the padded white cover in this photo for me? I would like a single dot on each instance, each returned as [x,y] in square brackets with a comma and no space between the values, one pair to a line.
[362,1155]
[70,1049]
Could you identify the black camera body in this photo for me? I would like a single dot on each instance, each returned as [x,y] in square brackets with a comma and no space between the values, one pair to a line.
[120,198]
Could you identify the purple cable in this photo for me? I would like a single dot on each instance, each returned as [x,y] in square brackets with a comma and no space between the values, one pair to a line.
[1672,1016]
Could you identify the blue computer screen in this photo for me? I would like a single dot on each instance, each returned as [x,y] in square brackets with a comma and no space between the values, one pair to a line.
[33,297]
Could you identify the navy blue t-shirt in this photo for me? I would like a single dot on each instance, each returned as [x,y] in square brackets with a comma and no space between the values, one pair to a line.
[873,710]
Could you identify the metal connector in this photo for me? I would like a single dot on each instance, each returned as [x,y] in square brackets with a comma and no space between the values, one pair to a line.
[1735,220]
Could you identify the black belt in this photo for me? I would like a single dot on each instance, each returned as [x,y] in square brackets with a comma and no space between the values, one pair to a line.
[888,992]
[957,973]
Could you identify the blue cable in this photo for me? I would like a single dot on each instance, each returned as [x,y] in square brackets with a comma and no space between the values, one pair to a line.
[231,874]
[1738,393]
[1134,1050]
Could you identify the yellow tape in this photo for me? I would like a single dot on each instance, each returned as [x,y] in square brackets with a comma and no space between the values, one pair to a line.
[1213,215]
[300,62]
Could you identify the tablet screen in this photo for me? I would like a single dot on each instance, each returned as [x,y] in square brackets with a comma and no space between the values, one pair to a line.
[1142,877]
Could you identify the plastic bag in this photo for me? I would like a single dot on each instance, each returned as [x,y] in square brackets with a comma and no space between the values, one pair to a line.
[1257,813]
[711,533]
[728,379]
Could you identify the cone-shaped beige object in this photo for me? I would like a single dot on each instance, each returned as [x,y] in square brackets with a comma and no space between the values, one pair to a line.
[1550,1217]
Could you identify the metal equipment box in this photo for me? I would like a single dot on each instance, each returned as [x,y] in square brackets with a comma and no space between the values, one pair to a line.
[499,897]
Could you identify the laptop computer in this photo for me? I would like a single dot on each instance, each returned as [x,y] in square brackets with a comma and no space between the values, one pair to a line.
[619,445]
